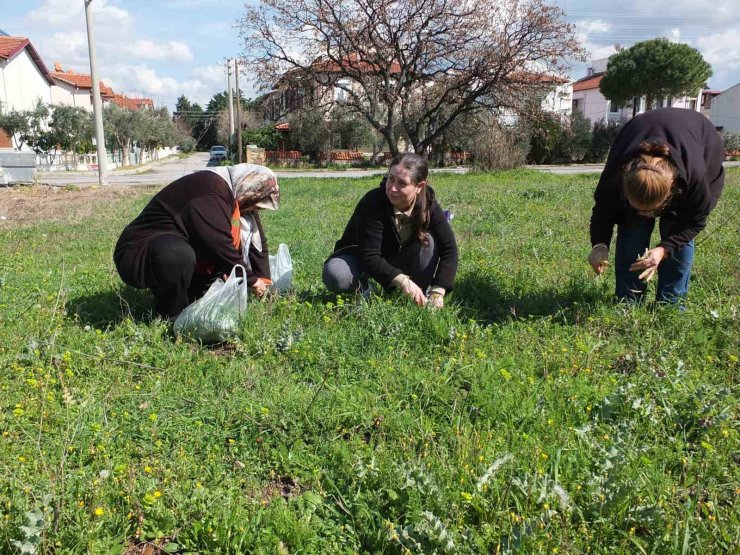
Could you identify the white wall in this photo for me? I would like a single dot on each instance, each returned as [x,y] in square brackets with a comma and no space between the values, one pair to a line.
[68,95]
[560,100]
[592,104]
[725,111]
[22,84]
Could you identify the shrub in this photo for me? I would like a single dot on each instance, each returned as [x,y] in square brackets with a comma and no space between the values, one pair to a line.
[602,138]
[187,144]
[576,139]
[266,137]
[558,139]
[731,140]
[501,148]
[547,134]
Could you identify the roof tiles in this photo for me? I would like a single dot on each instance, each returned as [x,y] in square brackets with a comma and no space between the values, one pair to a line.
[588,83]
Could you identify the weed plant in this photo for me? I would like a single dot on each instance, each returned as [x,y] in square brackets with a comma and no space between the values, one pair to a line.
[532,414]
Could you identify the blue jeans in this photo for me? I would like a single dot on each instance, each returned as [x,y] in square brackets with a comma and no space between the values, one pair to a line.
[673,273]
[343,273]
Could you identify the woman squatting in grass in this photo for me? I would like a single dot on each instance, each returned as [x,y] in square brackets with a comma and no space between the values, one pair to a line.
[665,164]
[399,236]
[197,229]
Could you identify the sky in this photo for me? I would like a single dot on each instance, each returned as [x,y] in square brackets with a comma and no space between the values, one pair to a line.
[162,49]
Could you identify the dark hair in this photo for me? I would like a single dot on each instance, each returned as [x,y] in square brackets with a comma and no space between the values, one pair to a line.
[649,177]
[419,169]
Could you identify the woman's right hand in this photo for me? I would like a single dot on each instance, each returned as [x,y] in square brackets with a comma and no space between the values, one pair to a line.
[414,291]
[599,258]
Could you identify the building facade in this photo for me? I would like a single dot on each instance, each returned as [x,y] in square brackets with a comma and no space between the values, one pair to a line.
[725,110]
[588,100]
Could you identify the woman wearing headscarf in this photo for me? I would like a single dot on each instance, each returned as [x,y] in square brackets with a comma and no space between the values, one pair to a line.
[197,229]
[665,164]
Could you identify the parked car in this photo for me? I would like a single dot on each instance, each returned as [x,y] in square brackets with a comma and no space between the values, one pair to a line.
[219,153]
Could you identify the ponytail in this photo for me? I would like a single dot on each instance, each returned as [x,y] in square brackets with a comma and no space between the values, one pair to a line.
[649,177]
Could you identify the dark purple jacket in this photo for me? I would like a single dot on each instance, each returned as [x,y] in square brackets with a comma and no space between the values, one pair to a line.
[197,207]
[697,152]
[372,236]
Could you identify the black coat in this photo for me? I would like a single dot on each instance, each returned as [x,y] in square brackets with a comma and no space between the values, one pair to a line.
[197,207]
[697,152]
[371,235]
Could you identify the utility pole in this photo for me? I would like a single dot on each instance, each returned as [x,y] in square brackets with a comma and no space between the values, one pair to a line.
[97,104]
[231,99]
[238,110]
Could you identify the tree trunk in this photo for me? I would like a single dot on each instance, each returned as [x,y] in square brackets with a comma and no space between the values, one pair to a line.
[125,158]
[648,102]
[391,141]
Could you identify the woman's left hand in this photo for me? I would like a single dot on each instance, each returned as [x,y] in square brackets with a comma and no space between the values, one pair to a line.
[259,287]
[649,263]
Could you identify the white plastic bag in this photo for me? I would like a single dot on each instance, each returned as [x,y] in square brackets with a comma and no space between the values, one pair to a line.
[281,269]
[217,315]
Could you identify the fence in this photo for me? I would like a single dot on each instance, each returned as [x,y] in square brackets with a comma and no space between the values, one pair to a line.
[343,156]
[275,155]
[68,161]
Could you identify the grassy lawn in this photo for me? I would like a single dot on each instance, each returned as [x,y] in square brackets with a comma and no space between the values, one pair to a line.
[532,414]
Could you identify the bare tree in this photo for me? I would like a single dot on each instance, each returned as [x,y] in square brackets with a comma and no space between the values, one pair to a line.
[413,65]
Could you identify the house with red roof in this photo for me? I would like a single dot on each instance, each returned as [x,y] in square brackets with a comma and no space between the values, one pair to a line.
[132,103]
[24,79]
[588,100]
[75,89]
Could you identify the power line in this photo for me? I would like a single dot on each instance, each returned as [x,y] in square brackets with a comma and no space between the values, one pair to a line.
[610,38]
[639,15]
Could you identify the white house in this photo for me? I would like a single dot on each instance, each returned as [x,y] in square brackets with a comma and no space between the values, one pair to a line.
[75,89]
[725,111]
[24,79]
[560,99]
[588,100]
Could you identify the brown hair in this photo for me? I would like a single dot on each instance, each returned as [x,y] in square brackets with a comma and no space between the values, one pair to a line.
[419,169]
[649,177]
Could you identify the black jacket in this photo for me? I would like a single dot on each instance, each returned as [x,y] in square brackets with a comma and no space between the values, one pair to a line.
[197,207]
[696,150]
[372,236]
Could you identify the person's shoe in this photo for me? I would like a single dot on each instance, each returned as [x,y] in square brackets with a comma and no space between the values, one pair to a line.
[366,289]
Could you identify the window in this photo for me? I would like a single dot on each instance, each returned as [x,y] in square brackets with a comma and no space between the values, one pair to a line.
[613,107]
[340,94]
[692,104]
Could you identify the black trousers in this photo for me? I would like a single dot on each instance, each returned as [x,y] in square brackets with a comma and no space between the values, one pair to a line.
[170,273]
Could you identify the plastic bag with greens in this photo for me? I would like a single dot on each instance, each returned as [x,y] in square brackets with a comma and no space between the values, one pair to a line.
[217,316]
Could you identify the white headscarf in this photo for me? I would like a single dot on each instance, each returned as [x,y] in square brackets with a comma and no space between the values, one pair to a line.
[261,183]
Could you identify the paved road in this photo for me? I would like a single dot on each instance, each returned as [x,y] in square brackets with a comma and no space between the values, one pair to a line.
[159,173]
[167,171]
[164,172]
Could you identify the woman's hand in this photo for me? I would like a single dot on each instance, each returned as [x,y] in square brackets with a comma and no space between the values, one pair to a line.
[649,263]
[414,291]
[436,300]
[259,287]
[599,258]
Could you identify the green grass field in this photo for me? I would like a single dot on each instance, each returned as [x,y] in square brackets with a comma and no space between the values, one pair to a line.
[531,415]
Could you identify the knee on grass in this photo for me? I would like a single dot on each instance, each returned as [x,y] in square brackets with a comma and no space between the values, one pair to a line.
[338,277]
